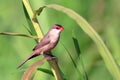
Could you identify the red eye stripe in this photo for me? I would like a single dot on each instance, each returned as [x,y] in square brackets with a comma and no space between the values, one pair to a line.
[58,28]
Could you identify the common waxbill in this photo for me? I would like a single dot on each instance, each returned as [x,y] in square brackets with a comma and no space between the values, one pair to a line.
[47,43]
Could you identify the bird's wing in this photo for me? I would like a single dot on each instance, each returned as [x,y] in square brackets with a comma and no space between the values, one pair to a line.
[43,42]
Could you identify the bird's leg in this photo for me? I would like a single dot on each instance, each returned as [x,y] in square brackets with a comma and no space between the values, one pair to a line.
[51,57]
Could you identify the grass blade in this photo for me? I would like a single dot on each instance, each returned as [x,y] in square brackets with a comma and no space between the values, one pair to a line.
[18,34]
[46,71]
[29,72]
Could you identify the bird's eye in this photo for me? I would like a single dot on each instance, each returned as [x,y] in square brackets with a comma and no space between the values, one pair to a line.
[57,27]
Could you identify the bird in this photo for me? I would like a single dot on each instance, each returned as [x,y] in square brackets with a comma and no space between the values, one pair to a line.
[46,44]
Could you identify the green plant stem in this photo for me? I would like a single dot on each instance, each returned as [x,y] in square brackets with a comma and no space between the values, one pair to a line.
[31,15]
[54,66]
[56,70]
[18,34]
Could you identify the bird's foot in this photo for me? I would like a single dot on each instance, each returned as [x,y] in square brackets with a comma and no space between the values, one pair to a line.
[51,57]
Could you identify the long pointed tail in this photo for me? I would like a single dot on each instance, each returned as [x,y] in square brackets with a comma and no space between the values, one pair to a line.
[23,63]
[30,57]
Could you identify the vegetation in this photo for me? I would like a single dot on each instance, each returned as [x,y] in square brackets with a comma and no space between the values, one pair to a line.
[94,56]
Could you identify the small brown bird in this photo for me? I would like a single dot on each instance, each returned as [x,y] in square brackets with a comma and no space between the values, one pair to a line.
[47,43]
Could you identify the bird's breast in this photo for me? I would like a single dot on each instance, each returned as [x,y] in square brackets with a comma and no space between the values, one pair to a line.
[54,38]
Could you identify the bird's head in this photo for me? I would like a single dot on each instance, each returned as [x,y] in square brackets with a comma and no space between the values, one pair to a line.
[57,28]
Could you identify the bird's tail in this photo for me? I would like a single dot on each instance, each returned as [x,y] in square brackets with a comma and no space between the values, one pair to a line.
[30,57]
[22,63]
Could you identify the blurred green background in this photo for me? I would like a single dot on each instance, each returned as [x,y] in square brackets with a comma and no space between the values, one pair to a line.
[104,17]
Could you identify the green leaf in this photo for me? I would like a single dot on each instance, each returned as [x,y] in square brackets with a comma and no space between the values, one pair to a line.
[76,46]
[46,71]
[32,30]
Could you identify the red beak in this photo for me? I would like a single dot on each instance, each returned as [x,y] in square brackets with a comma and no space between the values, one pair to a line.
[61,28]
